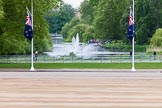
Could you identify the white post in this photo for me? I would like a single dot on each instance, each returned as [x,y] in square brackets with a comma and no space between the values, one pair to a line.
[32,57]
[133,68]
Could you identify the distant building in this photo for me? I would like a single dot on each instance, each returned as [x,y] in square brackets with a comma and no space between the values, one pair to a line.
[57,38]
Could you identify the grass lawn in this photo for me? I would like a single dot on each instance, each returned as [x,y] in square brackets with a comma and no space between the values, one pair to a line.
[84,65]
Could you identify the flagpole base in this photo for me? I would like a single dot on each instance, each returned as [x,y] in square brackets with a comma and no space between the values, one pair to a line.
[133,69]
[32,69]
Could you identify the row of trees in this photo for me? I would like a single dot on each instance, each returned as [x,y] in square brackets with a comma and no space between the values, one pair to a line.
[108,19]
[12,21]
[57,18]
[103,19]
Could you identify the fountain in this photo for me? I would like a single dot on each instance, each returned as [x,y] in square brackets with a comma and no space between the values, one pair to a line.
[75,43]
[86,50]
[64,49]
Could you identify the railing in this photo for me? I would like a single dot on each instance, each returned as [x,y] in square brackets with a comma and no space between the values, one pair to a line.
[117,58]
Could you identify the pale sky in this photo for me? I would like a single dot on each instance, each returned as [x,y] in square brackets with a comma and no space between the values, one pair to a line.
[74,3]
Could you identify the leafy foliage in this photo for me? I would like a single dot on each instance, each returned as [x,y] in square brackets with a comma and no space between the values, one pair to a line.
[1,9]
[109,20]
[119,46]
[87,12]
[156,40]
[68,29]
[103,19]
[107,16]
[59,17]
[86,32]
[145,20]
[12,26]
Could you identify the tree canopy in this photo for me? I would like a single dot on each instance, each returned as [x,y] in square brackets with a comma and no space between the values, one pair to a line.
[13,21]
[103,19]
[109,19]
[156,40]
[1,9]
[57,18]
[146,20]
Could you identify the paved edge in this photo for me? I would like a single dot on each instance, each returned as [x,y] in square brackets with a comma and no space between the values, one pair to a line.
[80,70]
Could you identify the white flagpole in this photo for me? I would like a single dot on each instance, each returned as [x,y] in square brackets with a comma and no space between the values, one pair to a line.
[133,68]
[32,57]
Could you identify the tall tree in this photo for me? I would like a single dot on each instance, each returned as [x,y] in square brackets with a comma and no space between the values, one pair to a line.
[87,9]
[148,19]
[59,17]
[12,25]
[68,28]
[156,40]
[1,9]
[86,32]
[1,15]
[107,18]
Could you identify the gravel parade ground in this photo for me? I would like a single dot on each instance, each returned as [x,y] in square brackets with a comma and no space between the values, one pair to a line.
[86,88]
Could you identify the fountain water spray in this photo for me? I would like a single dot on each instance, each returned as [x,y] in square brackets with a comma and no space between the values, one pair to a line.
[75,43]
[85,50]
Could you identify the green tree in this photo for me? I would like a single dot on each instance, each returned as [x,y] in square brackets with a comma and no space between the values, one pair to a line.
[59,17]
[12,26]
[86,9]
[107,19]
[1,9]
[67,29]
[86,32]
[1,14]
[156,39]
[148,16]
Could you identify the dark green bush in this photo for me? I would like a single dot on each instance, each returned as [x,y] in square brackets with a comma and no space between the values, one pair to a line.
[124,48]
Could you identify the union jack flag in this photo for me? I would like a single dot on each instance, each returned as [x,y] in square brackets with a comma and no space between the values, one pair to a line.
[131,25]
[28,27]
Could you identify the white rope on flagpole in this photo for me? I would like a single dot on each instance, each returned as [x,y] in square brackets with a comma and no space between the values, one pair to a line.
[32,57]
[133,68]
[28,11]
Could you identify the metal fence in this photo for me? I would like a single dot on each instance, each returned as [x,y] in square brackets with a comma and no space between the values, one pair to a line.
[117,58]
